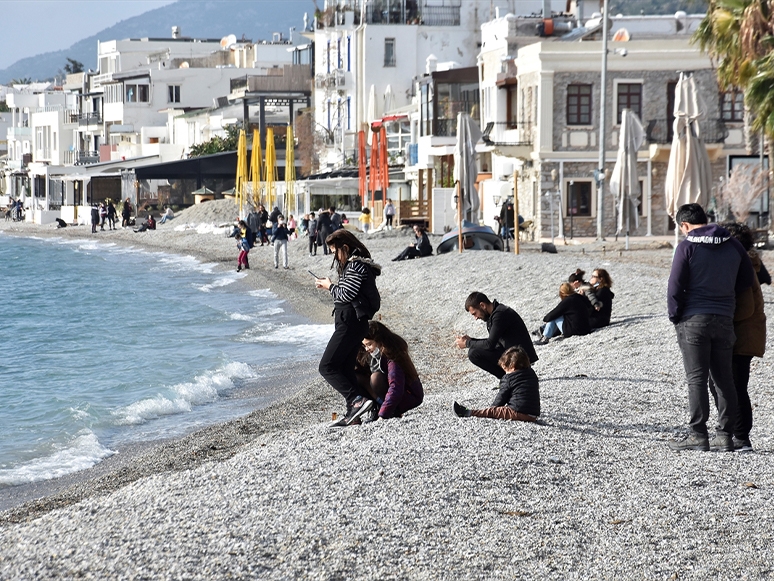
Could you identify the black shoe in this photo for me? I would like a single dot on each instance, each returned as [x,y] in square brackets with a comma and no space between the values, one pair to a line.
[360,406]
[742,444]
[691,442]
[371,415]
[239,269]
[461,411]
[542,341]
[722,444]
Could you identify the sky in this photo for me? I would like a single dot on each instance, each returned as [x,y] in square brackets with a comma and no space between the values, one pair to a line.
[30,27]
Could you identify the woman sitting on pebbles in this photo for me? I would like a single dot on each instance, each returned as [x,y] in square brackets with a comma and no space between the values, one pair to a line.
[519,395]
[390,377]
[600,287]
[570,317]
[355,301]
[584,288]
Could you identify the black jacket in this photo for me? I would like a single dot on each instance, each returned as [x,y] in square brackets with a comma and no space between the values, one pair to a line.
[575,310]
[520,392]
[423,245]
[506,329]
[601,317]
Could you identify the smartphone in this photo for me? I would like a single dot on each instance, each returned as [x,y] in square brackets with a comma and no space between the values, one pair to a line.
[313,274]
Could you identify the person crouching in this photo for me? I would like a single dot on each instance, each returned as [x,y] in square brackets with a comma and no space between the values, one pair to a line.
[519,396]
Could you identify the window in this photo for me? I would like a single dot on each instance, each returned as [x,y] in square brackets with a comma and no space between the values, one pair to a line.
[732,106]
[579,105]
[389,52]
[136,94]
[173,95]
[629,97]
[579,199]
[511,111]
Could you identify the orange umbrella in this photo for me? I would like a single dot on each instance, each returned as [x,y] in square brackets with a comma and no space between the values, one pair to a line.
[384,158]
[361,163]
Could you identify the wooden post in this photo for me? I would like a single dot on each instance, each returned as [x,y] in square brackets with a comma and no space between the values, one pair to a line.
[515,211]
[458,195]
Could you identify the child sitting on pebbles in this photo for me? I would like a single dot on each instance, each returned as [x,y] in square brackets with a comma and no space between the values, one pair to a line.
[519,395]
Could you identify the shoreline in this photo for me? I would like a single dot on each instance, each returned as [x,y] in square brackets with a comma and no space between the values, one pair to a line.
[591,492]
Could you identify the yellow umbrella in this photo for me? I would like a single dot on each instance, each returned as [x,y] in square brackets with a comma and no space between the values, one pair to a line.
[241,174]
[290,170]
[255,167]
[271,167]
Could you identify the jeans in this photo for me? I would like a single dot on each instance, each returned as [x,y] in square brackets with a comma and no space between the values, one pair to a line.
[503,413]
[707,342]
[487,360]
[740,367]
[337,365]
[283,246]
[553,328]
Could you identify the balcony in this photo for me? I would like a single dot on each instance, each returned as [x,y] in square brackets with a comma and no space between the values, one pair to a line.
[80,157]
[20,133]
[508,138]
[712,131]
[393,12]
[89,119]
[659,137]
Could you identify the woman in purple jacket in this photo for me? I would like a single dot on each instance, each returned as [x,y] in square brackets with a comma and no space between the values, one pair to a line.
[394,383]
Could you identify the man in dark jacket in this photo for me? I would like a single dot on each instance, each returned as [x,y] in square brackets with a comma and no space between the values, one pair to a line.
[708,270]
[506,329]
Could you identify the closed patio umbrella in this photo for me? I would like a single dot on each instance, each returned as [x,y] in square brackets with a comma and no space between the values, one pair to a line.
[465,168]
[255,167]
[689,176]
[624,182]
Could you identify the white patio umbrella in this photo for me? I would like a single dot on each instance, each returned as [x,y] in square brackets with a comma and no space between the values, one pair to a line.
[389,100]
[689,176]
[624,181]
[465,168]
[371,111]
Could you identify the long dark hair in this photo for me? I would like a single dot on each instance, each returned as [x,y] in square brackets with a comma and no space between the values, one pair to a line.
[393,347]
[341,238]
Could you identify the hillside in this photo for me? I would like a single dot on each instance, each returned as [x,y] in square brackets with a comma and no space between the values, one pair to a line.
[196,18]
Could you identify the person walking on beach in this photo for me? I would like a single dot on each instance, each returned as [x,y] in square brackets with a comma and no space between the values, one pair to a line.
[263,218]
[355,301]
[389,214]
[94,218]
[391,379]
[311,232]
[365,219]
[111,215]
[709,269]
[280,240]
[323,230]
[243,246]
[506,329]
[336,219]
[126,213]
[519,395]
[102,216]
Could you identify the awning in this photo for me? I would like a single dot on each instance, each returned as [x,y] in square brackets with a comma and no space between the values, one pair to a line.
[218,165]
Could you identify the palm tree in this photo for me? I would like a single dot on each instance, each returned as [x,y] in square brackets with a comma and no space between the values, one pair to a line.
[738,35]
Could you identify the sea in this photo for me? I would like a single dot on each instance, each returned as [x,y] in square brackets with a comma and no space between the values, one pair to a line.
[104,346]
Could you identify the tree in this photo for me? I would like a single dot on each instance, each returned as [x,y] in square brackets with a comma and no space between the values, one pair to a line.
[743,187]
[217,144]
[738,35]
[4,107]
[22,81]
[73,66]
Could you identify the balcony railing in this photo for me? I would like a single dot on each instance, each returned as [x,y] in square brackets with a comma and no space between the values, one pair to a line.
[507,133]
[85,119]
[394,12]
[80,157]
[712,131]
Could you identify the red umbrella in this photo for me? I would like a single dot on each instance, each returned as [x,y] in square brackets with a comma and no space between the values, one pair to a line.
[374,171]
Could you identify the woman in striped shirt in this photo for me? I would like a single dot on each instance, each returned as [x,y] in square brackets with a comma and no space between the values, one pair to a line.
[355,301]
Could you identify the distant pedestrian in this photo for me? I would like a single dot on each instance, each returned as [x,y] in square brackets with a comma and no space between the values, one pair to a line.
[324,229]
[94,218]
[280,240]
[126,213]
[102,215]
[365,219]
[389,213]
[311,232]
[111,214]
[243,247]
[336,219]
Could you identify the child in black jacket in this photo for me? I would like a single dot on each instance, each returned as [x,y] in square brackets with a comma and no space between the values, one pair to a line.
[519,395]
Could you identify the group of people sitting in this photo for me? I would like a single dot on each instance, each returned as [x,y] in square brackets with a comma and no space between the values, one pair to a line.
[583,306]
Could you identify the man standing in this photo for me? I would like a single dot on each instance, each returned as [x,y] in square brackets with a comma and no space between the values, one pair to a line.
[335,219]
[506,329]
[708,270]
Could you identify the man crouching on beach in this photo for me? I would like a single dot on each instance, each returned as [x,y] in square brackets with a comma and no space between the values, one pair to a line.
[506,329]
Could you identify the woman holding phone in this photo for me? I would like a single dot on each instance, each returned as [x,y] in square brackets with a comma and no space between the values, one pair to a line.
[355,301]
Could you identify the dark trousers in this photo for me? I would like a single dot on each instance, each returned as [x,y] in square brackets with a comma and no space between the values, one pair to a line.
[313,244]
[740,367]
[408,253]
[337,365]
[487,360]
[706,342]
[503,413]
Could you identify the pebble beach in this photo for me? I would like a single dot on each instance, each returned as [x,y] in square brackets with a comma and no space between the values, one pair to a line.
[590,492]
